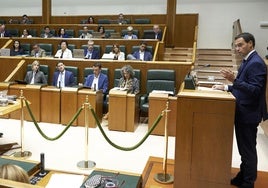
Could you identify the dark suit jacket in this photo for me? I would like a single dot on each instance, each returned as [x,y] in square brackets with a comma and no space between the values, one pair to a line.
[69,78]
[95,54]
[39,77]
[147,55]
[249,90]
[102,83]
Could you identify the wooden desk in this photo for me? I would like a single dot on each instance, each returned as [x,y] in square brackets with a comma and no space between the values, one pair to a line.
[157,103]
[204,139]
[50,104]
[4,110]
[31,92]
[123,111]
[153,166]
[95,99]
[68,104]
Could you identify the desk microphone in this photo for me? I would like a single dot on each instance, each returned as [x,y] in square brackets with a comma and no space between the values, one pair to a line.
[42,166]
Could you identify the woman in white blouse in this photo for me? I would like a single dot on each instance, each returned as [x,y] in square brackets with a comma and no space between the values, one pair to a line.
[118,55]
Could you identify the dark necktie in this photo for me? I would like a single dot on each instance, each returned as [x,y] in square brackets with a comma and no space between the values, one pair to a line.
[61,54]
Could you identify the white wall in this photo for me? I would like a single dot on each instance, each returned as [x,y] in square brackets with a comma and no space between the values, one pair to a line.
[215,16]
[216,19]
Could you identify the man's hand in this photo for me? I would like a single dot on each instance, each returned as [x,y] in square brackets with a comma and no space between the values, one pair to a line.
[228,74]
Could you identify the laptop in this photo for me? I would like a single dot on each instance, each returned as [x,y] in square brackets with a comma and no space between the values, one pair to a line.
[5,52]
[78,53]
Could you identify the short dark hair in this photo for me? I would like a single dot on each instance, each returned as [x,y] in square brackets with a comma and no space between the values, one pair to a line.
[97,64]
[247,37]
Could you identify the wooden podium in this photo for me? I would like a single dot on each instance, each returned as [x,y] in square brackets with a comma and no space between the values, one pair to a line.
[123,111]
[31,92]
[95,99]
[50,104]
[204,139]
[68,104]
[157,103]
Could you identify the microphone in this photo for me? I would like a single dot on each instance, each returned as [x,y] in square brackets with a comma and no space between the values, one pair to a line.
[42,166]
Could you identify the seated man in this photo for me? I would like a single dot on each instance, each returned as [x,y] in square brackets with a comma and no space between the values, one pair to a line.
[35,76]
[47,33]
[90,52]
[97,80]
[130,34]
[121,20]
[85,34]
[37,51]
[142,54]
[62,77]
[64,52]
[157,32]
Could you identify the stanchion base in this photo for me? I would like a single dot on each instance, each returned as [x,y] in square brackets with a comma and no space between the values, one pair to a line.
[86,164]
[164,178]
[23,154]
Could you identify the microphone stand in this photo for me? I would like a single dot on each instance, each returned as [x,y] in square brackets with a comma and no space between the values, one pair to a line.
[86,164]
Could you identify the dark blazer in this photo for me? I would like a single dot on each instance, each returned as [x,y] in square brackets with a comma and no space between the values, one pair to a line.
[159,35]
[102,82]
[69,78]
[95,54]
[147,55]
[7,34]
[249,90]
[39,77]
[15,53]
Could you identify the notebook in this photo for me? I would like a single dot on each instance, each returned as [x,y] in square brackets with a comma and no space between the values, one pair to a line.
[78,53]
[5,52]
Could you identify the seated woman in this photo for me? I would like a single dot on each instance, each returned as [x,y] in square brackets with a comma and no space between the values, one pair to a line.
[128,82]
[64,52]
[101,30]
[62,33]
[26,34]
[35,76]
[118,55]
[14,173]
[90,20]
[17,49]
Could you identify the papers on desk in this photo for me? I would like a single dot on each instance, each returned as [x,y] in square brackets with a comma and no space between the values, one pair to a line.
[65,180]
[199,88]
[163,92]
[120,88]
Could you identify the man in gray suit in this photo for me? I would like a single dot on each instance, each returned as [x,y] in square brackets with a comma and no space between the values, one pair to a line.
[35,76]
[37,51]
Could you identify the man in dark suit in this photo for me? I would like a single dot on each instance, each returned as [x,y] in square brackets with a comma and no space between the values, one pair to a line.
[142,54]
[3,32]
[90,52]
[62,77]
[35,76]
[97,80]
[249,87]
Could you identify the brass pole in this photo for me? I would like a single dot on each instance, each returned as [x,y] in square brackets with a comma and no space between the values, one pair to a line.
[86,164]
[22,153]
[164,177]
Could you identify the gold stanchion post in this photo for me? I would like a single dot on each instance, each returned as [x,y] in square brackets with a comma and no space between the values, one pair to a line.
[86,164]
[22,153]
[164,177]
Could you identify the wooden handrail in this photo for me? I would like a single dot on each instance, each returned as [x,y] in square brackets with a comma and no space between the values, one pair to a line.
[7,43]
[15,71]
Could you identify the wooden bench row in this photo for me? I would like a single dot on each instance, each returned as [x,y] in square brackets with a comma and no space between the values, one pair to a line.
[157,47]
[37,29]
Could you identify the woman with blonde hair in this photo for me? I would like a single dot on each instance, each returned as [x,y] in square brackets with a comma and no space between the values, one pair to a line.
[14,173]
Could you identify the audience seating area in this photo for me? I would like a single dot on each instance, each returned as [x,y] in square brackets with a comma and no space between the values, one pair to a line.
[75,30]
[51,45]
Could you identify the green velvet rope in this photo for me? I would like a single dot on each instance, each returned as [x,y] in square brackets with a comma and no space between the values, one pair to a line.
[126,148]
[42,133]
